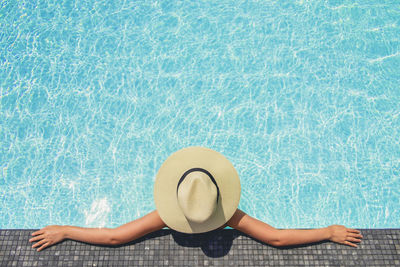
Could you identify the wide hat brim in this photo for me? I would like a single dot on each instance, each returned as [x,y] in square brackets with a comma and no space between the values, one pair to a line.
[165,186]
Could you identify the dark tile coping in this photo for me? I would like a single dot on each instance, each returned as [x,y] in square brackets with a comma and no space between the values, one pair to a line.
[380,247]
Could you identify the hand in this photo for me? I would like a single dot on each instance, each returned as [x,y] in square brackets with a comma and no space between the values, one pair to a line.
[48,236]
[343,235]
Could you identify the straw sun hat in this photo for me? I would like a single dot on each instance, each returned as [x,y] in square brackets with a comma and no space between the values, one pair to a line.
[196,190]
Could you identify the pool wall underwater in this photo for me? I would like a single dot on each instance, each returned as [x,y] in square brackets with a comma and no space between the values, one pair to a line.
[302,97]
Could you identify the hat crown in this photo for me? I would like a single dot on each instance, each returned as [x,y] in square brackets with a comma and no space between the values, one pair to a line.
[197,197]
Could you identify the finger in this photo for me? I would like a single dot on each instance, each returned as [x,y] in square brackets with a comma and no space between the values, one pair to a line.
[44,246]
[353,231]
[36,238]
[38,232]
[355,235]
[352,239]
[39,243]
[350,244]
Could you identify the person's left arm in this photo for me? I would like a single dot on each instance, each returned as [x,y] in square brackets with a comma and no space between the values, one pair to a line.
[54,234]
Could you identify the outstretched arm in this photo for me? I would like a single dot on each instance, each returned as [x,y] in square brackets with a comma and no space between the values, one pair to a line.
[275,237]
[53,234]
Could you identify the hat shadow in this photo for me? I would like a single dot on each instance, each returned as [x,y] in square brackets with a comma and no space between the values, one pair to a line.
[214,244]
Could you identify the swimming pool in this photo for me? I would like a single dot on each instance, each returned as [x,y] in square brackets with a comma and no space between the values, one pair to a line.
[302,97]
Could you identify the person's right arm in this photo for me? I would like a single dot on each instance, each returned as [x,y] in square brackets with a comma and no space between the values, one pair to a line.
[53,234]
[287,237]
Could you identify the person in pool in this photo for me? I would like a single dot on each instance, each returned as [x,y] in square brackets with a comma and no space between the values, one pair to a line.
[196,190]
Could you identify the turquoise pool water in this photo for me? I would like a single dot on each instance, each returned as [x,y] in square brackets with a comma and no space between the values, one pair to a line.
[303,97]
